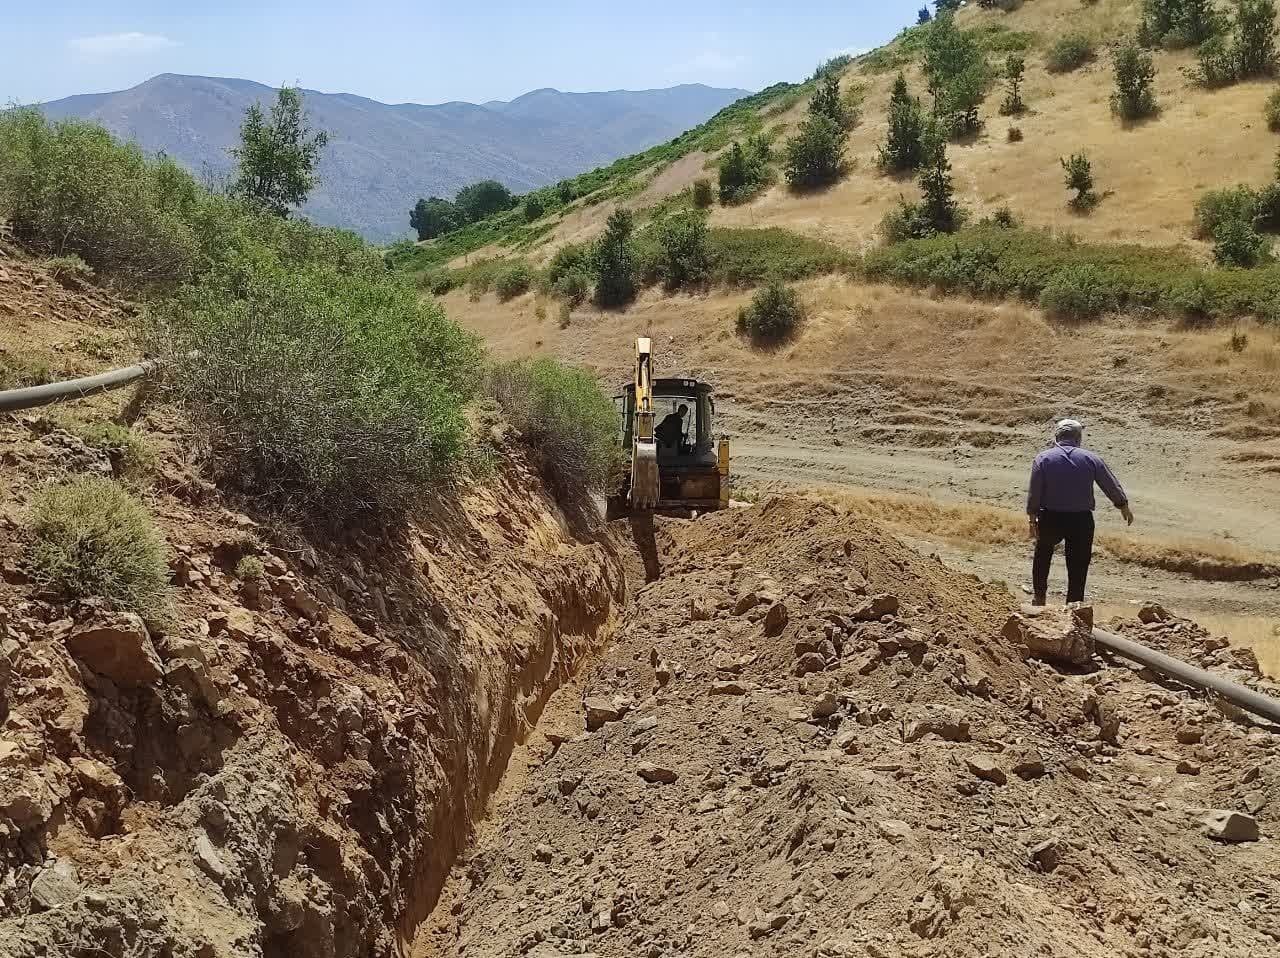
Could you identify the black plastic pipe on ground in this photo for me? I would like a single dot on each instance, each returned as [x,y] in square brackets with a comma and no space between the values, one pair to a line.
[32,397]
[1245,698]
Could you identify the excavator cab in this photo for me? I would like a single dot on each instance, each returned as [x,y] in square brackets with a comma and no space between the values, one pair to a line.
[675,464]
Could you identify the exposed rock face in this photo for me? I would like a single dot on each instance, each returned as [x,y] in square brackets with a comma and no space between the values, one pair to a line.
[1055,635]
[119,648]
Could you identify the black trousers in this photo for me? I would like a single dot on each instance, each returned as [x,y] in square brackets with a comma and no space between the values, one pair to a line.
[1076,530]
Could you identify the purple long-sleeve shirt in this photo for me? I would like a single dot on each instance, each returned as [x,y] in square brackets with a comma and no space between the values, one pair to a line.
[1062,479]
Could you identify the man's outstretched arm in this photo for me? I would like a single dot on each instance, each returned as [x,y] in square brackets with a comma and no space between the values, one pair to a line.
[1111,487]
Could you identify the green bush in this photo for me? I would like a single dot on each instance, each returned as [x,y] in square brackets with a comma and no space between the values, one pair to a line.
[745,257]
[322,385]
[1272,111]
[703,195]
[1135,73]
[1218,63]
[615,263]
[68,188]
[684,258]
[1237,243]
[1079,177]
[775,314]
[562,415]
[130,452]
[514,280]
[573,286]
[815,155]
[1079,292]
[903,148]
[1070,52]
[1216,207]
[1256,37]
[250,569]
[91,539]
[744,169]
[69,270]
[571,257]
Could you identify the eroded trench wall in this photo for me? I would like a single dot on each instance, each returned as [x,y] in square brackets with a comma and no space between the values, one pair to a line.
[294,769]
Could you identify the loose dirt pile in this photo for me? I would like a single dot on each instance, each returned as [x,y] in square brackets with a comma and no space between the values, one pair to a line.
[809,740]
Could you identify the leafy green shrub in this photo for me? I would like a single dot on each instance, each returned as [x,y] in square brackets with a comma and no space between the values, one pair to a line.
[828,102]
[815,155]
[1079,292]
[1215,207]
[483,199]
[571,257]
[744,169]
[955,65]
[534,208]
[130,453]
[513,281]
[91,539]
[684,256]
[1174,24]
[1079,177]
[68,188]
[1135,73]
[903,147]
[1237,243]
[1070,52]
[745,257]
[434,217]
[322,385]
[69,270]
[573,286]
[1255,37]
[1015,68]
[562,415]
[1267,215]
[775,314]
[703,195]
[250,569]
[1217,63]
[1272,111]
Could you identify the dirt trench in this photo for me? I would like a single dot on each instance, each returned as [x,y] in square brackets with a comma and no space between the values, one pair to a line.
[291,769]
[808,739]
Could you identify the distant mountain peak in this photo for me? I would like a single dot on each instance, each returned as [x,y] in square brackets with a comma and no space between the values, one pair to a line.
[382,157]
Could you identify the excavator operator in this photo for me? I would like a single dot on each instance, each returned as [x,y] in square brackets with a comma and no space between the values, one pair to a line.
[670,432]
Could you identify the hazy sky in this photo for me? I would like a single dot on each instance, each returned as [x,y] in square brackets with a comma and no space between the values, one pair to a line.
[427,52]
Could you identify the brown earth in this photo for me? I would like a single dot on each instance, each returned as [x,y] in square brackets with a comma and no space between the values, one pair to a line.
[921,790]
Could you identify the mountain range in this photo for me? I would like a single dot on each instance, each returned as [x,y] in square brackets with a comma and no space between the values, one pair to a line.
[382,157]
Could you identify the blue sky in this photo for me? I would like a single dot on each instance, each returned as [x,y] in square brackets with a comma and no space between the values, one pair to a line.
[428,52]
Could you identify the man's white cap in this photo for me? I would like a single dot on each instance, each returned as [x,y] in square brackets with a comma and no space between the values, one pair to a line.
[1068,427]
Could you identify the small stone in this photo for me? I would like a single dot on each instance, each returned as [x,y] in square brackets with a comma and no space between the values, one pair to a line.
[298,600]
[985,767]
[1154,612]
[846,740]
[895,830]
[728,688]
[826,706]
[775,619]
[767,924]
[569,782]
[119,648]
[599,712]
[1254,802]
[876,607]
[1190,734]
[746,602]
[209,858]
[808,663]
[656,774]
[866,663]
[543,853]
[1079,770]
[1029,764]
[1224,825]
[1188,767]
[55,886]
[950,725]
[1046,855]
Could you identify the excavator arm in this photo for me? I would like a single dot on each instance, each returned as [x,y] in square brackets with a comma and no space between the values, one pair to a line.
[646,482]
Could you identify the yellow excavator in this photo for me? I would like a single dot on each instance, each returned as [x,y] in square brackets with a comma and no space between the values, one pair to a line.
[676,466]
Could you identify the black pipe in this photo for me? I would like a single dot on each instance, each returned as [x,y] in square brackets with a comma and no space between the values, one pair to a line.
[32,397]
[1246,698]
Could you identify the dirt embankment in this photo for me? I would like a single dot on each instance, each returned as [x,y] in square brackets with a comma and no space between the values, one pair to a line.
[811,740]
[291,769]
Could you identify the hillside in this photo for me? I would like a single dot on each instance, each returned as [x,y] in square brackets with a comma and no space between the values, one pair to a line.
[382,157]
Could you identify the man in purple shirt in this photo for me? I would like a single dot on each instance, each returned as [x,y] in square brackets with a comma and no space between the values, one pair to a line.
[1060,505]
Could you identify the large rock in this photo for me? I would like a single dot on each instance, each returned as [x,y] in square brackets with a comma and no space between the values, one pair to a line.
[298,600]
[986,767]
[950,725]
[55,886]
[1224,825]
[599,712]
[657,774]
[775,619]
[876,607]
[1055,635]
[119,648]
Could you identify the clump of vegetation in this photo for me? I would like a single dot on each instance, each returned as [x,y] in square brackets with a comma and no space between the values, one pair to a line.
[1134,97]
[937,211]
[828,102]
[69,270]
[1236,242]
[1079,177]
[434,217]
[1272,111]
[1015,67]
[562,415]
[534,207]
[130,453]
[814,157]
[684,257]
[277,155]
[743,257]
[250,569]
[1247,50]
[1216,207]
[774,315]
[1078,292]
[703,194]
[744,169]
[1174,24]
[1014,135]
[955,66]
[903,148]
[91,539]
[1070,52]
[514,280]
[614,261]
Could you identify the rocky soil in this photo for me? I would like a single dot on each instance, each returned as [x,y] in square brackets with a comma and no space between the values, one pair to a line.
[810,740]
[291,767]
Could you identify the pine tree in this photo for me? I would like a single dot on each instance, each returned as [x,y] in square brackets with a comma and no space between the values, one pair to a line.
[1079,177]
[826,101]
[938,208]
[615,261]
[902,147]
[924,16]
[1014,70]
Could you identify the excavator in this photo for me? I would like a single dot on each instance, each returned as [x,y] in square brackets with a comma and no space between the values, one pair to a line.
[675,465]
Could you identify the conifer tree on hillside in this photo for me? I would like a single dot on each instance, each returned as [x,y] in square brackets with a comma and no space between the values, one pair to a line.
[956,70]
[277,155]
[924,16]
[1014,70]
[938,207]
[827,102]
[615,261]
[902,149]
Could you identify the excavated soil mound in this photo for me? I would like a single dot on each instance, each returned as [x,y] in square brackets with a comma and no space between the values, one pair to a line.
[809,740]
